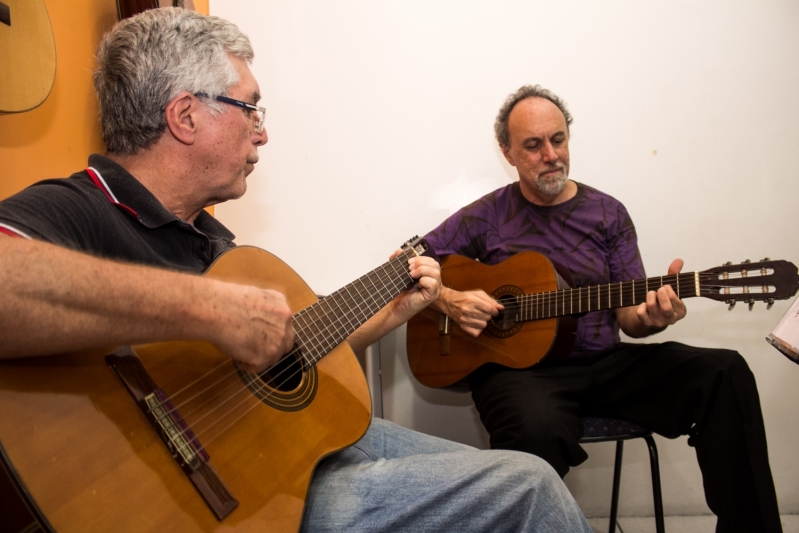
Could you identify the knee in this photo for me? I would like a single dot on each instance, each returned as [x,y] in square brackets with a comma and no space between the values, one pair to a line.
[731,366]
[540,490]
[525,470]
[532,433]
[714,361]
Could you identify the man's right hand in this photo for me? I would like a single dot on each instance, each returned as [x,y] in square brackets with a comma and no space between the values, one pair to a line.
[258,331]
[471,310]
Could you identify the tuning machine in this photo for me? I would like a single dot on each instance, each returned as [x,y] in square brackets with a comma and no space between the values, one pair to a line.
[726,275]
[769,301]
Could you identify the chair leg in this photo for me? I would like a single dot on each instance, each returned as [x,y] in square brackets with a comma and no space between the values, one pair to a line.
[660,525]
[614,498]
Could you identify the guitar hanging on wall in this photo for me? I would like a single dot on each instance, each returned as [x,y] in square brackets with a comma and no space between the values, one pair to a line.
[540,306]
[128,8]
[27,55]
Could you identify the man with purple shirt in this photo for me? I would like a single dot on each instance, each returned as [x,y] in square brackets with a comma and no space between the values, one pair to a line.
[670,388]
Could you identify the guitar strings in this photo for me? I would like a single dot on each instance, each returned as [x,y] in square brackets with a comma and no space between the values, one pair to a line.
[389,284]
[710,284]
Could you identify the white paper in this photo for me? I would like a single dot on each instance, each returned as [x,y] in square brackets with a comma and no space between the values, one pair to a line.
[785,335]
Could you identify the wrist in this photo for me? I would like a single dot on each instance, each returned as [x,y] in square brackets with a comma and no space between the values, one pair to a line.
[442,302]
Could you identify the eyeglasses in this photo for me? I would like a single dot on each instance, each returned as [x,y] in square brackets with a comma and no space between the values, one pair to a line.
[260,111]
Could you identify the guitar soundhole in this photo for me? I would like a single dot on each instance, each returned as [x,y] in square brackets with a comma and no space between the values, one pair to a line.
[287,386]
[285,376]
[505,324]
[506,319]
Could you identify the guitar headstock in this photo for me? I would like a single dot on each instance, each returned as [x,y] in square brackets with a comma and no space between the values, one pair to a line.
[748,282]
[419,246]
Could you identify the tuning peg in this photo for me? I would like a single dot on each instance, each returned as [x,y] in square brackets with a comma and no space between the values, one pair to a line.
[751,304]
[728,263]
[731,304]
[765,259]
[747,261]
[770,301]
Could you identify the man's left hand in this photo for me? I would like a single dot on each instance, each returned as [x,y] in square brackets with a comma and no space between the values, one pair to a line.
[662,308]
[428,273]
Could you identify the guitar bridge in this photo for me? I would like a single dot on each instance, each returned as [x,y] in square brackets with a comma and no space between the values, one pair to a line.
[444,334]
[173,430]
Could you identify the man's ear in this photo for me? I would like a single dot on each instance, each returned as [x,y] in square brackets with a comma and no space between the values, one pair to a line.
[506,153]
[181,115]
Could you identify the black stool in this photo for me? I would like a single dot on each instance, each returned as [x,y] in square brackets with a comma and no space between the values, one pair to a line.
[610,429]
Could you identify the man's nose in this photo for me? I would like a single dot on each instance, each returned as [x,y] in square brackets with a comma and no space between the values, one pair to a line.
[261,138]
[548,152]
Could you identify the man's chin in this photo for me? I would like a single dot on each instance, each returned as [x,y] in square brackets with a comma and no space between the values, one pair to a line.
[551,186]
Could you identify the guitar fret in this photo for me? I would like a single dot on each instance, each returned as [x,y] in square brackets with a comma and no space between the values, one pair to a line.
[324,325]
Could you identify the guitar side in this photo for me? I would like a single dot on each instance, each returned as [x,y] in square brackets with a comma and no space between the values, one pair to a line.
[527,345]
[92,462]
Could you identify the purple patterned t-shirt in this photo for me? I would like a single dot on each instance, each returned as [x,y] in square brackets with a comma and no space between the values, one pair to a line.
[591,234]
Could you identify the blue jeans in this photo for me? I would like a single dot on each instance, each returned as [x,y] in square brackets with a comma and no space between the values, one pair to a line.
[395,479]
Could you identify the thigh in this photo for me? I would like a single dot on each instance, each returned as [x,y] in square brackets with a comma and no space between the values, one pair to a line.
[386,440]
[535,410]
[459,490]
[666,387]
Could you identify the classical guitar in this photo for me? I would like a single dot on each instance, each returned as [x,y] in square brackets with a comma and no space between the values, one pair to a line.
[175,437]
[27,55]
[539,322]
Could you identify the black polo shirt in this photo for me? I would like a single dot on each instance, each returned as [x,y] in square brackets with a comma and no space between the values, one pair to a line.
[106,212]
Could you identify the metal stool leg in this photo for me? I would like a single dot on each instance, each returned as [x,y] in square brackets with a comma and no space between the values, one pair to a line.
[660,525]
[614,501]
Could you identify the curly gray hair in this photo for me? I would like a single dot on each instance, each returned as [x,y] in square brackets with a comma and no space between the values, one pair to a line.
[525,92]
[147,60]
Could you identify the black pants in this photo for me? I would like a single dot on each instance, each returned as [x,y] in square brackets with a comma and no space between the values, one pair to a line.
[671,389]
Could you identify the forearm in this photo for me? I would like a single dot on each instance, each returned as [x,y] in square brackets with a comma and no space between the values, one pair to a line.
[56,300]
[370,332]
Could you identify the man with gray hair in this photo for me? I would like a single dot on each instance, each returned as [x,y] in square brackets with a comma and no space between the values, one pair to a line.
[669,388]
[180,118]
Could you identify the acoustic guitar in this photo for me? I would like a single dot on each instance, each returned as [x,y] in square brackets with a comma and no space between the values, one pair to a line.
[175,437]
[27,55]
[539,320]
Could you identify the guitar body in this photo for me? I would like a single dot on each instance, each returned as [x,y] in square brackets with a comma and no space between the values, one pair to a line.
[27,55]
[439,356]
[90,461]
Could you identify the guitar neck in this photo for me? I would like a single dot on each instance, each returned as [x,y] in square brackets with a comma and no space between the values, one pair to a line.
[324,325]
[601,297]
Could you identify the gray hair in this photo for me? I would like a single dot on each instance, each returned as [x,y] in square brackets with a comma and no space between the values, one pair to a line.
[525,92]
[147,60]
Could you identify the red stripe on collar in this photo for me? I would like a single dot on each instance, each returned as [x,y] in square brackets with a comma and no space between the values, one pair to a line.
[13,232]
[101,184]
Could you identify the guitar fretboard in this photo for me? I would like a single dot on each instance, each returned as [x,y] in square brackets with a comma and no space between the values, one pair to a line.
[600,297]
[324,325]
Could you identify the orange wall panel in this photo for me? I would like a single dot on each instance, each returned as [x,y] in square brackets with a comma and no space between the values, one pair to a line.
[56,138]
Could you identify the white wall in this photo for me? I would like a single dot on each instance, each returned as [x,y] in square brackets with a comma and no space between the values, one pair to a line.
[380,120]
